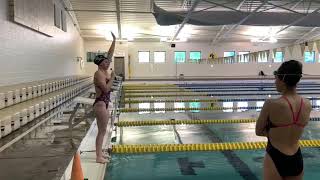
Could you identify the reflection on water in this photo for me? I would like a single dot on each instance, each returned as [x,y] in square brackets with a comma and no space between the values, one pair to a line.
[200,165]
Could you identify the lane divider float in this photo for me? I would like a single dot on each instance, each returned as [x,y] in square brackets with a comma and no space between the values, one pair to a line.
[158,148]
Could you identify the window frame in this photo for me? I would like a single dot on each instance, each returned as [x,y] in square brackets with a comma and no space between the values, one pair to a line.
[139,57]
[229,56]
[274,57]
[195,60]
[185,57]
[314,57]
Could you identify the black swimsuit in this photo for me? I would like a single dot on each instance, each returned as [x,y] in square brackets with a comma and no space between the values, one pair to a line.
[105,97]
[287,165]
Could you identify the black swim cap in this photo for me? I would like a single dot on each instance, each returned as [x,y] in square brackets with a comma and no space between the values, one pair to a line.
[98,59]
[290,72]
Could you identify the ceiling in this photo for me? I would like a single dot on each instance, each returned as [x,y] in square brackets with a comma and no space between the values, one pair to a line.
[133,20]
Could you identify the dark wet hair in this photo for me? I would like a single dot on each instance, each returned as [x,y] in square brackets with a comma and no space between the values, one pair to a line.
[290,72]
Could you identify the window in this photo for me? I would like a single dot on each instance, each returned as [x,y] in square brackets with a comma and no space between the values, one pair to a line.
[278,57]
[92,55]
[229,54]
[195,55]
[144,106]
[317,103]
[243,52]
[144,56]
[160,105]
[195,105]
[63,21]
[57,16]
[259,105]
[60,20]
[311,101]
[159,56]
[309,57]
[242,106]
[180,56]
[242,57]
[228,105]
[179,105]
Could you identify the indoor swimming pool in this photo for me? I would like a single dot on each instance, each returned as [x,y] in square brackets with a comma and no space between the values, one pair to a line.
[202,165]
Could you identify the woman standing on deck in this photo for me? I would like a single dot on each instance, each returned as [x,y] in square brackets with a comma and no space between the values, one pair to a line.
[282,121]
[103,82]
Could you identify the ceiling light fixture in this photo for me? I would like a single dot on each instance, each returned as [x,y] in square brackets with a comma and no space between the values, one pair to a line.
[163,39]
[268,40]
[130,38]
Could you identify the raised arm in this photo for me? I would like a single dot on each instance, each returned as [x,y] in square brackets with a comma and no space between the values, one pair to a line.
[111,49]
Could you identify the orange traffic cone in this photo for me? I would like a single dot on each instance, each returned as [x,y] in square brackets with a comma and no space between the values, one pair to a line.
[76,173]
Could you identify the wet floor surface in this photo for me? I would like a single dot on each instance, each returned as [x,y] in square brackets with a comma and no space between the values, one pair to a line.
[43,154]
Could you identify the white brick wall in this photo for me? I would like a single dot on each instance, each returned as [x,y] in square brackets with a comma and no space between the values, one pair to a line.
[26,55]
[169,69]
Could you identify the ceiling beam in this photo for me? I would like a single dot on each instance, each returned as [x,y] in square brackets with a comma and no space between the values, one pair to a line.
[222,5]
[305,35]
[291,8]
[107,11]
[67,4]
[288,9]
[151,5]
[313,37]
[118,18]
[217,35]
[209,33]
[294,6]
[288,3]
[294,22]
[222,28]
[249,10]
[211,7]
[186,19]
[309,6]
[242,21]
[240,5]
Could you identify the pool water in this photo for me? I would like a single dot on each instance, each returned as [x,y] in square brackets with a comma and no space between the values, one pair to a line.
[226,165]
[220,165]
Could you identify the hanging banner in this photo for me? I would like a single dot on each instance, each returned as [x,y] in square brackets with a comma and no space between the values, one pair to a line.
[290,48]
[256,56]
[310,46]
[283,50]
[260,56]
[251,57]
[268,53]
[274,51]
[302,48]
[318,45]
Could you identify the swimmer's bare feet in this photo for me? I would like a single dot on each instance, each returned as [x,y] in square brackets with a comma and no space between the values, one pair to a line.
[102,160]
[106,155]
